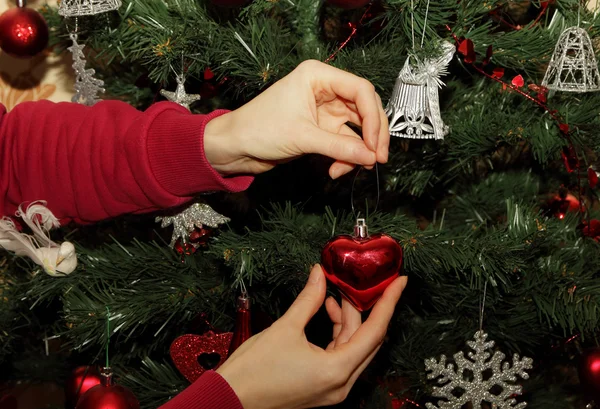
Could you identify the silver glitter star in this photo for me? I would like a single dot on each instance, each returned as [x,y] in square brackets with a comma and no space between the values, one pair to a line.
[179,96]
[197,215]
[468,377]
[86,86]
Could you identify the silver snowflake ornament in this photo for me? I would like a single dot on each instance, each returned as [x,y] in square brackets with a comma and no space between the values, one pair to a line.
[197,215]
[470,376]
[86,86]
[179,96]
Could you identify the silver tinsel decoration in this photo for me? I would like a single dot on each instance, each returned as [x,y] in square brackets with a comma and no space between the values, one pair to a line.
[86,86]
[179,96]
[573,66]
[473,384]
[76,8]
[197,215]
[414,108]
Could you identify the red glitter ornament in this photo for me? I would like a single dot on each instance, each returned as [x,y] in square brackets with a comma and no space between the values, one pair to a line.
[200,236]
[349,4]
[23,31]
[184,249]
[362,266]
[242,329]
[82,379]
[589,373]
[195,354]
[107,395]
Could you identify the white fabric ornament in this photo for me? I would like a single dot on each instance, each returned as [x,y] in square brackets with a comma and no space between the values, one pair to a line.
[56,260]
[75,8]
[468,380]
[197,215]
[573,66]
[179,96]
[86,86]
[414,107]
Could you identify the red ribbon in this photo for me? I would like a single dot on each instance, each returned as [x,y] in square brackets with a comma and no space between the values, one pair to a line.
[354,28]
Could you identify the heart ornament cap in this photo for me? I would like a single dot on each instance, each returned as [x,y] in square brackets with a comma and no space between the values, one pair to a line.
[362,265]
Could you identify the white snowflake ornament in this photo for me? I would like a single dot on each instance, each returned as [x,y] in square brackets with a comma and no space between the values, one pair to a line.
[469,375]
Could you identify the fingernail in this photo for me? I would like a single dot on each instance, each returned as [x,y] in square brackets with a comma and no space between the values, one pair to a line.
[315,275]
[334,173]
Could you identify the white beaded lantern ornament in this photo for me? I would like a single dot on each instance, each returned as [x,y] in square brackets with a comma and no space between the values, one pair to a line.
[573,66]
[77,8]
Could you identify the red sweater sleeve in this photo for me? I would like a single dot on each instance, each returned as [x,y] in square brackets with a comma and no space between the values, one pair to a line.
[210,391]
[93,163]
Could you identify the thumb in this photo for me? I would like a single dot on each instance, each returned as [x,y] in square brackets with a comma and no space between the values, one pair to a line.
[309,300]
[341,147]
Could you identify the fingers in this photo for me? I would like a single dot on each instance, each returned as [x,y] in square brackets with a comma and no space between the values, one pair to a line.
[371,333]
[355,89]
[351,320]
[383,144]
[339,147]
[309,300]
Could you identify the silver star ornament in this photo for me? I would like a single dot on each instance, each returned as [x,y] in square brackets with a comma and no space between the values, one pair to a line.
[197,215]
[179,96]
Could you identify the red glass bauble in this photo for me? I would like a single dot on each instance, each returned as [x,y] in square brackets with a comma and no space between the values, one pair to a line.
[230,3]
[589,372]
[195,354]
[23,32]
[81,380]
[108,395]
[362,266]
[242,329]
[349,4]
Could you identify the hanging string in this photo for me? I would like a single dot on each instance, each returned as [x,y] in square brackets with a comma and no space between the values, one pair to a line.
[352,191]
[482,306]
[243,288]
[107,334]
[425,24]
[412,20]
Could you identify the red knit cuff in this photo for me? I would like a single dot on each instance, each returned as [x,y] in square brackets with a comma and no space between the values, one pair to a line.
[176,152]
[210,391]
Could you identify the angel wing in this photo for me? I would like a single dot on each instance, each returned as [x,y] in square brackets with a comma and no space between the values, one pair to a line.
[53,258]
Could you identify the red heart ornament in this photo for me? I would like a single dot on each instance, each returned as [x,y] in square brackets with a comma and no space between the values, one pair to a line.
[362,266]
[187,349]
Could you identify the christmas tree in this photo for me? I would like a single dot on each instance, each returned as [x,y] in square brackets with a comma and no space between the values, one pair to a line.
[490,189]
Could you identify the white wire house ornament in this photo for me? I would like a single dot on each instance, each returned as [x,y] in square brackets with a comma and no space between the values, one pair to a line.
[573,66]
[76,8]
[414,107]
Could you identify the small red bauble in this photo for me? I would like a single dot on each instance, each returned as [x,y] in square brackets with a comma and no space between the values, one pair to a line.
[81,380]
[348,4]
[362,266]
[23,32]
[195,354]
[589,372]
[592,229]
[107,395]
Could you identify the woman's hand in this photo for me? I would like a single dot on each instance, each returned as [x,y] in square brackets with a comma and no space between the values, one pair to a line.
[305,112]
[280,369]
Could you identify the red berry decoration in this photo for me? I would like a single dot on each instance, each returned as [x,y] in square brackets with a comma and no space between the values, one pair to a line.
[23,31]
[82,379]
[362,266]
[589,373]
[349,4]
[107,395]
